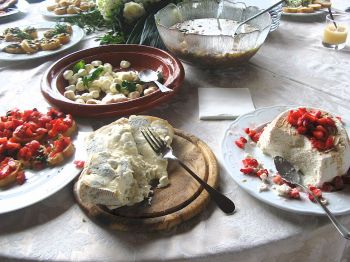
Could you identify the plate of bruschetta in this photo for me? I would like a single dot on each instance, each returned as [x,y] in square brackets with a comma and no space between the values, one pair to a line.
[37,154]
[37,41]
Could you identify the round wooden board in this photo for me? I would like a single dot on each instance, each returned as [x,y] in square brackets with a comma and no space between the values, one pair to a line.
[178,202]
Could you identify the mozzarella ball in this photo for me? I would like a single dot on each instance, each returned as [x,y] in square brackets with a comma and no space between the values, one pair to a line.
[139,88]
[150,90]
[96,63]
[89,67]
[93,102]
[82,72]
[107,67]
[70,87]
[69,94]
[80,86]
[94,93]
[125,64]
[86,96]
[79,101]
[113,88]
[68,74]
[134,95]
[73,80]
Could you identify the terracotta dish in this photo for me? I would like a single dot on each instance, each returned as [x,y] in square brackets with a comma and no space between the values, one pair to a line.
[141,57]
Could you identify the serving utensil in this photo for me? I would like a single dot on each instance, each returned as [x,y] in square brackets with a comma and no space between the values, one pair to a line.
[258,14]
[161,148]
[291,175]
[149,75]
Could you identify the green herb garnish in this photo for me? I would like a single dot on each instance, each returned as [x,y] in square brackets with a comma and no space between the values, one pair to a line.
[93,76]
[111,38]
[78,66]
[129,86]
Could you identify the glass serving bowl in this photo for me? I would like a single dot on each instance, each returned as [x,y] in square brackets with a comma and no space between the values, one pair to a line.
[213,49]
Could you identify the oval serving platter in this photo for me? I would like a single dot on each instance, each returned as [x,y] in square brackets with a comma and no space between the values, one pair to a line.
[140,57]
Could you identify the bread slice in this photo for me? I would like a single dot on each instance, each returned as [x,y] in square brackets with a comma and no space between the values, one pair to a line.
[11,178]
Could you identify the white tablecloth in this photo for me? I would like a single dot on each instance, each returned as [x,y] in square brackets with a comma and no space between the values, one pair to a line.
[291,68]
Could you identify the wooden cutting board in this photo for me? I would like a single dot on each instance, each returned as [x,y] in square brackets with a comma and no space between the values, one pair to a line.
[176,203]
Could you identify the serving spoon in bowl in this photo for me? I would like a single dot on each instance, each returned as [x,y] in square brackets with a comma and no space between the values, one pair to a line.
[256,15]
[149,75]
[291,175]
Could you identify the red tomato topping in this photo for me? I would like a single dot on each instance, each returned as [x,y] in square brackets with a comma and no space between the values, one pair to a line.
[59,145]
[20,178]
[315,125]
[7,166]
[23,135]
[79,163]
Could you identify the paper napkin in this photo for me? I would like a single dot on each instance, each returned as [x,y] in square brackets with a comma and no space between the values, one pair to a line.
[224,103]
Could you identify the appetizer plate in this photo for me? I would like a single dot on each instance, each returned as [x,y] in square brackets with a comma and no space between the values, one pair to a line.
[44,12]
[305,17]
[181,200]
[140,57]
[10,11]
[41,184]
[233,156]
[76,37]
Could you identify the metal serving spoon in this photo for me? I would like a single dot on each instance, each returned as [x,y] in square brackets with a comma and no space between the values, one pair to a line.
[149,75]
[291,175]
[256,15]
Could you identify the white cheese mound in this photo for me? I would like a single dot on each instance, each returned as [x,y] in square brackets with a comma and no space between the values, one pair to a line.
[279,138]
[121,164]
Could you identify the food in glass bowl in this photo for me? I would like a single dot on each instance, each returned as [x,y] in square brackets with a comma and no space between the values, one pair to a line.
[100,83]
[206,33]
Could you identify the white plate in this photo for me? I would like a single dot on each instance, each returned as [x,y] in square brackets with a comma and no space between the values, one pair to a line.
[11,11]
[42,184]
[76,37]
[339,202]
[307,16]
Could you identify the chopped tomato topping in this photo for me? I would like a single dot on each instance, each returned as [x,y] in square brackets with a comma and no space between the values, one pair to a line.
[79,163]
[59,145]
[20,178]
[7,166]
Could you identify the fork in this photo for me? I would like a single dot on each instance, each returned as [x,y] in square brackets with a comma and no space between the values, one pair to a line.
[161,148]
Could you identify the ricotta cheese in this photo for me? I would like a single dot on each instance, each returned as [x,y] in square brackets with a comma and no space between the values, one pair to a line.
[121,164]
[280,138]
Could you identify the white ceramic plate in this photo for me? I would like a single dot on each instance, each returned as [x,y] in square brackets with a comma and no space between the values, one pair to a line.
[10,11]
[339,202]
[76,37]
[42,184]
[305,16]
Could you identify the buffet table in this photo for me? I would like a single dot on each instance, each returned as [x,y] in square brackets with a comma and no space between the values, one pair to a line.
[292,67]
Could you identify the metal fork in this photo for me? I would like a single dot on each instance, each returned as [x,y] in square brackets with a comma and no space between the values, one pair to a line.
[161,148]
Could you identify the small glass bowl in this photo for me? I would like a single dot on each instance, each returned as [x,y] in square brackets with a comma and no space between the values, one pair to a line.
[212,51]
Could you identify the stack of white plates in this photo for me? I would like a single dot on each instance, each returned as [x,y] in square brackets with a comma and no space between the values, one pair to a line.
[263,4]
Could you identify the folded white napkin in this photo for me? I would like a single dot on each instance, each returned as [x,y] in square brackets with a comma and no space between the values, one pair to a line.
[224,103]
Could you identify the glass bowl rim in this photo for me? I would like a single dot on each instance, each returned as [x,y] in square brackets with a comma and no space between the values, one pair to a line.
[209,36]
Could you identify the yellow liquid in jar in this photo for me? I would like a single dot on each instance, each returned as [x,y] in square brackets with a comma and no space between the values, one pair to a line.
[335,36]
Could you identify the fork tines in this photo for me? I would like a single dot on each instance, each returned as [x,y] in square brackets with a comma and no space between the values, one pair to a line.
[156,143]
